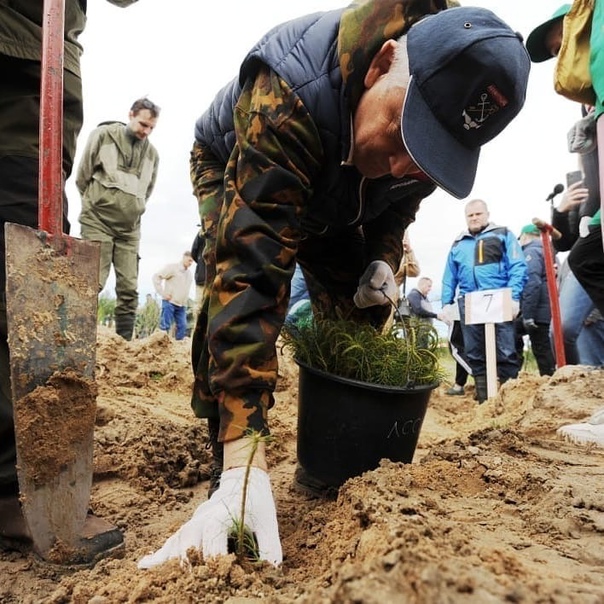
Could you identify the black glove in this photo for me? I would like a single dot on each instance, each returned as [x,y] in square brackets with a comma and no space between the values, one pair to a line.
[529,325]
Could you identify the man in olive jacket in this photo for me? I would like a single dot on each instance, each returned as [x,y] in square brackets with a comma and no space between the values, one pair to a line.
[115,178]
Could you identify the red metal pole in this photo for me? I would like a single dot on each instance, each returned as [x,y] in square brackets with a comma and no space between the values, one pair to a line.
[552,288]
[50,180]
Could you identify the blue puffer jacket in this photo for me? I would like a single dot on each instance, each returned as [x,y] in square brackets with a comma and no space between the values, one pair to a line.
[492,259]
[342,197]
[535,299]
[318,84]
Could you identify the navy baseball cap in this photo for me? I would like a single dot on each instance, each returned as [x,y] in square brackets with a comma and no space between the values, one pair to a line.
[469,72]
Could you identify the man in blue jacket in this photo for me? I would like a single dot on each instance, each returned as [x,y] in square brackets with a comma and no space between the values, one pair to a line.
[486,256]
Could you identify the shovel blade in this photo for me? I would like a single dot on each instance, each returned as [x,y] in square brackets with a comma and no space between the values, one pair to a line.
[51,302]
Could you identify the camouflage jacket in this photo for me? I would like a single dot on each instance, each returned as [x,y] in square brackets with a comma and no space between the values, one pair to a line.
[271,166]
[322,59]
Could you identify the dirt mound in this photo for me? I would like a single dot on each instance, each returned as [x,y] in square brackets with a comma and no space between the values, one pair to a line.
[494,508]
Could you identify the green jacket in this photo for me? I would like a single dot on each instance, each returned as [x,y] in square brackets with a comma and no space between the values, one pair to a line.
[21,29]
[20,56]
[115,178]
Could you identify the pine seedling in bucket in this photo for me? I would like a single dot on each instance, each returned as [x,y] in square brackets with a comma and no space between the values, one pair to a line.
[397,357]
[362,394]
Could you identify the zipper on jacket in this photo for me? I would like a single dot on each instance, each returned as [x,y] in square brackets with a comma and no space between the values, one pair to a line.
[362,188]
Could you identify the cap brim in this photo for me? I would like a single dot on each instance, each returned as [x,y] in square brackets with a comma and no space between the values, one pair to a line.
[450,164]
[535,43]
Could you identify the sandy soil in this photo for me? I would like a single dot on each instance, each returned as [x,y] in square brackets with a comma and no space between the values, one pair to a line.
[494,508]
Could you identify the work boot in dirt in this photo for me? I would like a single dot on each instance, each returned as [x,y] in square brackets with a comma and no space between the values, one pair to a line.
[481,388]
[97,540]
[14,534]
[217,449]
[124,326]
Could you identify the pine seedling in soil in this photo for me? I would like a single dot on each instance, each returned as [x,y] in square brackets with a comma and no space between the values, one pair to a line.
[242,541]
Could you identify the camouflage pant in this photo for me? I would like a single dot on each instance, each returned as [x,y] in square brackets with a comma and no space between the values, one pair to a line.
[332,265]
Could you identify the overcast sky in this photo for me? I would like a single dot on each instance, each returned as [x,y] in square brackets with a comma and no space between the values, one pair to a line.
[181,53]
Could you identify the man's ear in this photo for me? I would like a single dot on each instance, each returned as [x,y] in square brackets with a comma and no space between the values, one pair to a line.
[380,63]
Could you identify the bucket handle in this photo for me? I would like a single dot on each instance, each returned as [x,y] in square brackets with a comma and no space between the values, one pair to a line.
[397,313]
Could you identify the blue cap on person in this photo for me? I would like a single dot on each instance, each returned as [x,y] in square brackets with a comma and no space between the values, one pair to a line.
[469,72]
[535,43]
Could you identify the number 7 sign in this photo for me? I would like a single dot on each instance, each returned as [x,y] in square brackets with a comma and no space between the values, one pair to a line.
[489,306]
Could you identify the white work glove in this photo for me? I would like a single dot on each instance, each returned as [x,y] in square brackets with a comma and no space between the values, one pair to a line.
[213,521]
[515,308]
[376,286]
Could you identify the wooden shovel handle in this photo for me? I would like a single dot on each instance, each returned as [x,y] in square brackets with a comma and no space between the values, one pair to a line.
[50,180]
[547,231]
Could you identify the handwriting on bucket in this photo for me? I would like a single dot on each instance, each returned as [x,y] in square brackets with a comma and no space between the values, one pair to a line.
[410,426]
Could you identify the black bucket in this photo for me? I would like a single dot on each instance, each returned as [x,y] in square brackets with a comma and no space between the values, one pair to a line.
[345,427]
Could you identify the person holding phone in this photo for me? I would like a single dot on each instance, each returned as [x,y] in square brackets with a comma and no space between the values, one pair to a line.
[582,325]
[586,258]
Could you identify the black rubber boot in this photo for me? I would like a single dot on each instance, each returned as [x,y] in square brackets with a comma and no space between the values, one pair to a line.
[124,326]
[481,388]
[217,449]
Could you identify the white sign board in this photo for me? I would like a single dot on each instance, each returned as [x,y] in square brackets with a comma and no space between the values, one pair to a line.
[489,306]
